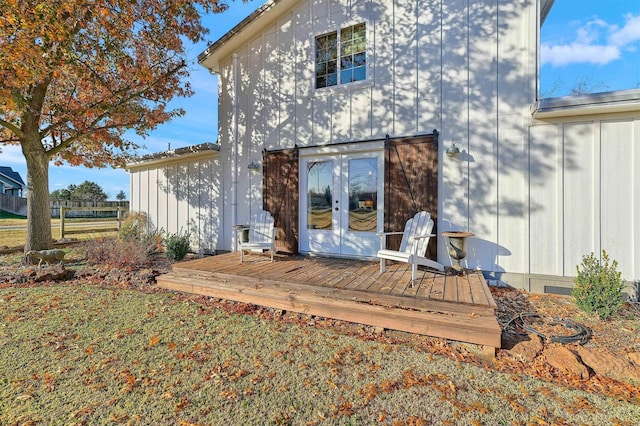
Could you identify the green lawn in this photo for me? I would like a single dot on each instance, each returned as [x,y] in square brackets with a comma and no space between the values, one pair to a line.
[7,215]
[90,355]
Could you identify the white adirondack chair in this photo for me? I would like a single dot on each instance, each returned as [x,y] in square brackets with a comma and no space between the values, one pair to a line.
[415,239]
[262,234]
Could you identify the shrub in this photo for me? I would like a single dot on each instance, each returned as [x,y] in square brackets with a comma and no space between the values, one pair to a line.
[123,254]
[133,226]
[598,286]
[177,246]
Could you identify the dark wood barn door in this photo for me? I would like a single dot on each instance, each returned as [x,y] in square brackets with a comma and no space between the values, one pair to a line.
[280,197]
[411,184]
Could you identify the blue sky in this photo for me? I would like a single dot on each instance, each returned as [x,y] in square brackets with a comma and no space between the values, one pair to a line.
[594,44]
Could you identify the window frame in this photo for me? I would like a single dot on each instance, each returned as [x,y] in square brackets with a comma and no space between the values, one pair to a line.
[368,52]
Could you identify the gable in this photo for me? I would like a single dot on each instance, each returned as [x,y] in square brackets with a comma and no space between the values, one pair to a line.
[10,177]
[267,14]
[242,33]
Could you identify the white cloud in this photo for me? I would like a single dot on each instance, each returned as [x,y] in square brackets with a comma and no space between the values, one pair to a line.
[591,32]
[628,34]
[573,53]
[587,47]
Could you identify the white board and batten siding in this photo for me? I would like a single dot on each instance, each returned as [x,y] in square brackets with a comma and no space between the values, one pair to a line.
[431,65]
[586,198]
[276,69]
[537,193]
[181,194]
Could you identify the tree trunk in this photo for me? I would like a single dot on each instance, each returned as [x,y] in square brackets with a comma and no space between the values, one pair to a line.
[38,209]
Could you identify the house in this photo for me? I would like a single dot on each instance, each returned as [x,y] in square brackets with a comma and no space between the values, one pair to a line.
[11,182]
[328,106]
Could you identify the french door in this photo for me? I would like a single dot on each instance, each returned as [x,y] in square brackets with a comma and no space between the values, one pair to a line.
[341,203]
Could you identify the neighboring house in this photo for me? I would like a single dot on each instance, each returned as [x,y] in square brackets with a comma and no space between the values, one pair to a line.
[11,182]
[336,103]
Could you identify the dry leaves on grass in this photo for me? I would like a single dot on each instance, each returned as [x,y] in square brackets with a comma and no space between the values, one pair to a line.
[193,359]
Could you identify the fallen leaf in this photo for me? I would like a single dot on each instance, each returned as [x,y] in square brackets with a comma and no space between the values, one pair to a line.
[346,408]
[24,397]
[180,406]
[154,340]
[229,394]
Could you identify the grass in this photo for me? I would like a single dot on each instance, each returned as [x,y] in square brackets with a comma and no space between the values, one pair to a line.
[13,221]
[17,237]
[7,215]
[93,355]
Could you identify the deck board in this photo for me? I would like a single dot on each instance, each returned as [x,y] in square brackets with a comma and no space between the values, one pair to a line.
[452,307]
[436,292]
[465,292]
[364,280]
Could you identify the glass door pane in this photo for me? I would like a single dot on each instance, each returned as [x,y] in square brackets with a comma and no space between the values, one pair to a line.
[363,194]
[319,195]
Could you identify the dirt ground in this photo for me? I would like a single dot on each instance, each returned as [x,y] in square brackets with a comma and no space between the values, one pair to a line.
[606,361]
[604,355]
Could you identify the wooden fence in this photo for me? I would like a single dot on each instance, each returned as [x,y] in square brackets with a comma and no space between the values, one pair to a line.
[18,206]
[15,205]
[107,225]
[88,208]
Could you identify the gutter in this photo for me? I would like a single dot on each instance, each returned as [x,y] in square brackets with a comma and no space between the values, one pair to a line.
[261,18]
[597,103]
[207,149]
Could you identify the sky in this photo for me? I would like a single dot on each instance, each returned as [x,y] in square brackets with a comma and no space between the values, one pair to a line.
[589,45]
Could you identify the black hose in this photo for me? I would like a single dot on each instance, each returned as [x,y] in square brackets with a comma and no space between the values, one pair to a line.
[581,335]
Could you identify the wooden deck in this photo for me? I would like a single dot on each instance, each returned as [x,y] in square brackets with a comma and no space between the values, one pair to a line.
[452,307]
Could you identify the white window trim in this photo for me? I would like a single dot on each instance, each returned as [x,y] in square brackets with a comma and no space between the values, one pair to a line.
[348,148]
[354,85]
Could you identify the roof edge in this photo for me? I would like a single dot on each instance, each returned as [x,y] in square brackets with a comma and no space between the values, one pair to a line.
[545,8]
[22,185]
[211,56]
[207,149]
[596,103]
[12,175]
[246,21]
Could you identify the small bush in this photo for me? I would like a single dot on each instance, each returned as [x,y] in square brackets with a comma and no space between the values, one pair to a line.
[123,254]
[177,246]
[133,226]
[598,286]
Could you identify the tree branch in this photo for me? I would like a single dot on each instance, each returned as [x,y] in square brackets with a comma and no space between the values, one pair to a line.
[67,142]
[108,109]
[12,128]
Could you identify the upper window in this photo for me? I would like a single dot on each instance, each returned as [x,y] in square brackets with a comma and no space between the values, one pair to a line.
[341,56]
